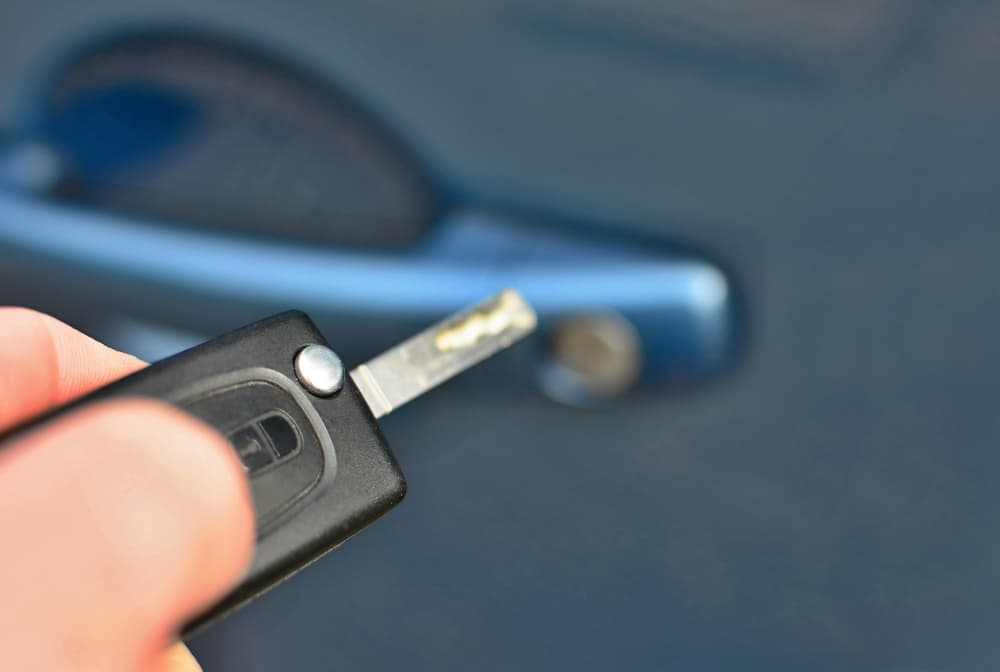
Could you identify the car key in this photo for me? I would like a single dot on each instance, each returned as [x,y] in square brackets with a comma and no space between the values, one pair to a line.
[305,431]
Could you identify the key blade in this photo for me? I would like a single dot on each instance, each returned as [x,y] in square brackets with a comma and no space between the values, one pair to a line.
[436,354]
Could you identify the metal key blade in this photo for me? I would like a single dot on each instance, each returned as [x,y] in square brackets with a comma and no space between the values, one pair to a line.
[436,354]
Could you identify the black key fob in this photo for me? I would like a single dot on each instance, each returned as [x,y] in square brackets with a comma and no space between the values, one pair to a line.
[294,444]
[318,466]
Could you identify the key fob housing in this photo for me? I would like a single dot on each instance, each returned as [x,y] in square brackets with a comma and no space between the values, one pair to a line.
[319,468]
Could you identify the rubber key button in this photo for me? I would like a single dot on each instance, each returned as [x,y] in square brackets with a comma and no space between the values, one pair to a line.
[253,452]
[283,436]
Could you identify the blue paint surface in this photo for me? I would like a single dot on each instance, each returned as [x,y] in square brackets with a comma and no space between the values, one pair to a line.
[106,133]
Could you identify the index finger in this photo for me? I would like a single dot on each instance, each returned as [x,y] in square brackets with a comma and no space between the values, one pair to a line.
[44,362]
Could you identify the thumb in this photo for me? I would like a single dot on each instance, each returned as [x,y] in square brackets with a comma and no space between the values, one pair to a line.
[119,523]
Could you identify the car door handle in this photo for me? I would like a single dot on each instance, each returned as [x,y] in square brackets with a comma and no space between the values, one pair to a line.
[666,318]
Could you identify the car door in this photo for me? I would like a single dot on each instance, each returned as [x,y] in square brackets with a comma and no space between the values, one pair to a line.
[757,429]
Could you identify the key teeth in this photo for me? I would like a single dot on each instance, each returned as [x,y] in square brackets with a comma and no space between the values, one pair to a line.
[497,317]
[438,353]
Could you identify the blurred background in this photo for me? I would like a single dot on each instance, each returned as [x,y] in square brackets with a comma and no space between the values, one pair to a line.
[756,429]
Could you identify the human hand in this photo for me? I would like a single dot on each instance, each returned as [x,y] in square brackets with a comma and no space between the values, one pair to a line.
[118,522]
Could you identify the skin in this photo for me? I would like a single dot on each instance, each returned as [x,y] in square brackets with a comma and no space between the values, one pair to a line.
[118,522]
